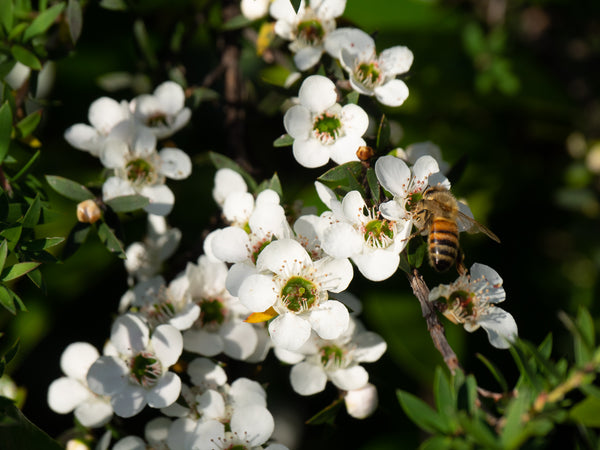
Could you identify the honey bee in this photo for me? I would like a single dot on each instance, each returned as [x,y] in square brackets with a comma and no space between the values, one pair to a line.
[438,214]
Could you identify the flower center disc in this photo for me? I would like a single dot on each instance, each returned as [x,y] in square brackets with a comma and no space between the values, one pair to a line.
[327,128]
[311,31]
[212,312]
[332,355]
[378,233]
[369,74]
[157,120]
[145,369]
[140,171]
[299,294]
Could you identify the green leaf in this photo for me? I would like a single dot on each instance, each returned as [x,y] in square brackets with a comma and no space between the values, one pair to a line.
[373,185]
[32,216]
[128,203]
[5,129]
[3,253]
[352,97]
[340,173]
[11,352]
[26,167]
[74,19]
[114,5]
[24,56]
[512,433]
[43,21]
[143,40]
[445,401]
[6,299]
[18,270]
[438,443]
[584,340]
[526,368]
[479,432]
[296,4]
[17,31]
[110,241]
[12,235]
[285,140]
[327,414]
[17,432]
[274,184]
[41,244]
[203,94]
[69,189]
[76,237]
[6,66]
[223,162]
[6,15]
[543,362]
[28,125]
[494,371]
[236,23]
[383,134]
[36,277]
[421,413]
[416,251]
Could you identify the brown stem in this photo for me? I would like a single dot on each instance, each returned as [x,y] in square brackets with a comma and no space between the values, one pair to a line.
[434,326]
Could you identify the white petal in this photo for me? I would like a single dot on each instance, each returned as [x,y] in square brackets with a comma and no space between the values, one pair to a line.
[105,113]
[167,343]
[342,240]
[334,274]
[130,443]
[289,331]
[202,342]
[186,317]
[330,320]
[423,168]
[361,403]
[282,10]
[157,430]
[327,196]
[77,358]
[287,356]
[171,97]
[161,199]
[395,60]
[298,122]
[393,174]
[317,93]
[354,40]
[239,338]
[253,422]
[114,154]
[354,377]
[94,413]
[129,402]
[84,137]
[107,376]
[238,206]
[258,292]
[227,181]
[283,253]
[144,143]
[344,149]
[393,210]
[236,276]
[500,327]
[204,372]
[165,392]
[245,392]
[355,120]
[211,405]
[330,9]
[393,93]
[307,57]
[129,334]
[65,394]
[268,220]
[310,153]
[230,244]
[116,187]
[181,433]
[377,265]
[175,163]
[206,434]
[369,347]
[254,9]
[307,379]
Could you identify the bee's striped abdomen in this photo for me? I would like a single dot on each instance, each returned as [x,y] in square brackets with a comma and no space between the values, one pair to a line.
[443,243]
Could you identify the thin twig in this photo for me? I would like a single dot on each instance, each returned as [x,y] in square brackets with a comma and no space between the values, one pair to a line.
[434,326]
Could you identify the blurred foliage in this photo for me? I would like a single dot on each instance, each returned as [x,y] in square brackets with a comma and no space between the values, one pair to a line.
[510,87]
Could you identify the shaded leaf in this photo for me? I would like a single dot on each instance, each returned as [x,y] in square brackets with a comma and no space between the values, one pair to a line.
[6,15]
[274,184]
[296,4]
[340,173]
[373,185]
[76,237]
[109,239]
[43,21]
[416,251]
[421,413]
[74,19]
[512,433]
[584,340]
[543,362]
[128,203]
[24,56]
[26,167]
[479,432]
[36,277]
[143,40]
[28,125]
[5,129]
[18,270]
[3,253]
[12,235]
[17,432]
[328,414]
[236,22]
[352,97]
[438,443]
[41,244]
[285,140]
[32,216]
[6,299]
[444,399]
[383,134]
[69,188]
[203,94]
[497,374]
[526,367]
[586,412]
[223,162]
[114,5]
[11,352]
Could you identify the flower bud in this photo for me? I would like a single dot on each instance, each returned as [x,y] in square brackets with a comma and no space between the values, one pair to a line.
[88,211]
[360,403]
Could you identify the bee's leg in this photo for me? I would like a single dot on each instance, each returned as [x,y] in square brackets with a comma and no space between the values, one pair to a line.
[460,259]
[421,221]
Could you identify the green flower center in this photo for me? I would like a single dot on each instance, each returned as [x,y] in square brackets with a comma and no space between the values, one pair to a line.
[413,200]
[310,32]
[158,313]
[299,294]
[369,74]
[140,171]
[145,369]
[212,312]
[327,128]
[157,120]
[259,247]
[379,234]
[462,300]
[332,355]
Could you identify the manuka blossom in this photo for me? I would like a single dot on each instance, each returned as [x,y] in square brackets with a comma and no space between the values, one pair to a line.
[371,74]
[361,403]
[71,392]
[471,300]
[406,185]
[356,232]
[289,285]
[337,360]
[307,28]
[163,112]
[323,129]
[104,114]
[254,9]
[137,374]
[138,168]
[414,151]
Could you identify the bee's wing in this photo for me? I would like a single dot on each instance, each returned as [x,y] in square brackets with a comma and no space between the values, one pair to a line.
[470,225]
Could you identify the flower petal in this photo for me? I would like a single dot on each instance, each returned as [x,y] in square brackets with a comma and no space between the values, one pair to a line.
[330,320]
[129,402]
[107,376]
[161,199]
[307,378]
[202,342]
[165,392]
[393,174]
[286,253]
[289,331]
[500,327]
[396,60]
[239,338]
[298,122]
[253,422]
[354,377]
[94,413]
[175,163]
[392,93]
[65,394]
[334,274]
[77,358]
[307,57]
[129,334]
[167,343]
[317,93]
[258,292]
[310,153]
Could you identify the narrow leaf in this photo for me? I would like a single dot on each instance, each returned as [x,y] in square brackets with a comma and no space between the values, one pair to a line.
[111,242]
[43,21]
[128,203]
[114,5]
[6,15]
[222,161]
[18,270]
[497,374]
[12,235]
[74,19]
[445,401]
[143,40]
[76,237]
[236,22]
[6,299]
[32,216]
[352,97]
[28,125]
[421,413]
[69,189]
[41,244]
[5,129]
[36,277]
[203,94]
[3,253]
[285,140]
[383,134]
[11,352]
[26,167]
[513,427]
[17,31]
[328,414]
[373,185]
[24,56]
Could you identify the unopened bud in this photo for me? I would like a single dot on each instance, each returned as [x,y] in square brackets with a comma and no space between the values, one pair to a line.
[88,211]
[360,403]
[76,444]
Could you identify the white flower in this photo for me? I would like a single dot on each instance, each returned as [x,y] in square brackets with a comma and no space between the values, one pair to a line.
[140,169]
[163,111]
[138,374]
[322,129]
[307,28]
[361,403]
[295,287]
[414,151]
[471,300]
[227,181]
[356,232]
[406,185]
[70,393]
[337,360]
[371,74]
[104,114]
[254,9]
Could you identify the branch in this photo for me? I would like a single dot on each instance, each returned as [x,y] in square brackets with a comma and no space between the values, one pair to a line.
[434,326]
